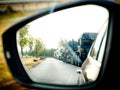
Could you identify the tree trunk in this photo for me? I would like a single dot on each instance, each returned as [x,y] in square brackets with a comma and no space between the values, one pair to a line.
[22,51]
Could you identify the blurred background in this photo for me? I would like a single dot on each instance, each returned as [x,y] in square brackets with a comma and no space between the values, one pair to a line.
[11,11]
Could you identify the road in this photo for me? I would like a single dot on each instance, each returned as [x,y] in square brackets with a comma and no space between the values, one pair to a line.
[53,71]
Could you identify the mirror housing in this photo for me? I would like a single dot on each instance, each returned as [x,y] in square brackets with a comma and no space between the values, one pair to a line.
[13,59]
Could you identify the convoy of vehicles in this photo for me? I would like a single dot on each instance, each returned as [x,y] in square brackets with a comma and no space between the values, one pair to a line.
[75,52]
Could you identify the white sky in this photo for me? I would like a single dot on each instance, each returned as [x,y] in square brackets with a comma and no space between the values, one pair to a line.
[68,24]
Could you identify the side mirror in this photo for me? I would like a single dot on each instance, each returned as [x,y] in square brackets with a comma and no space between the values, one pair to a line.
[54,50]
[49,47]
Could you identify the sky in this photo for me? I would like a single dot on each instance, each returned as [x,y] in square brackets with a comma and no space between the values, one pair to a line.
[68,24]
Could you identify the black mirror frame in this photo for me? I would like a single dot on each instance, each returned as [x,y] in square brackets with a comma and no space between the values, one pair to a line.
[13,60]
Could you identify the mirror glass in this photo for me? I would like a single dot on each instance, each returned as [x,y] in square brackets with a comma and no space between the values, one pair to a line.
[54,47]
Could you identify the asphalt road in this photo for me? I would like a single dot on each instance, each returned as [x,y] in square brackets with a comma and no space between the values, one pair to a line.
[53,71]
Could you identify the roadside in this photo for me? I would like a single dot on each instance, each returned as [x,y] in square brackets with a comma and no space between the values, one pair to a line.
[30,62]
[7,82]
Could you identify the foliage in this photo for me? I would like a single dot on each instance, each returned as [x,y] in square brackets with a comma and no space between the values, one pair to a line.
[23,33]
[48,52]
[39,47]
[30,44]
[25,40]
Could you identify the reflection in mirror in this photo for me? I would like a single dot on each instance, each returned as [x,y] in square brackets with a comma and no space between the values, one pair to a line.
[54,49]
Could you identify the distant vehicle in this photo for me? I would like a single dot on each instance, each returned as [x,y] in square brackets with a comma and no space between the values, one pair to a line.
[86,41]
[80,47]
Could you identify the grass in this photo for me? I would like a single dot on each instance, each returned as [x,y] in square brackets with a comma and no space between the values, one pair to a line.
[30,62]
[5,74]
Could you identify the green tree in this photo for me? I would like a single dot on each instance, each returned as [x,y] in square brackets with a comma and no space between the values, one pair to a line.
[39,47]
[31,45]
[48,52]
[23,37]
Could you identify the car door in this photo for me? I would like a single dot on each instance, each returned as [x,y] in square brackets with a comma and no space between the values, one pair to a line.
[91,66]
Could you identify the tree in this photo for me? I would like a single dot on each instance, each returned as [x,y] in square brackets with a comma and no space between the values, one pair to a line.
[31,44]
[48,52]
[23,33]
[39,47]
